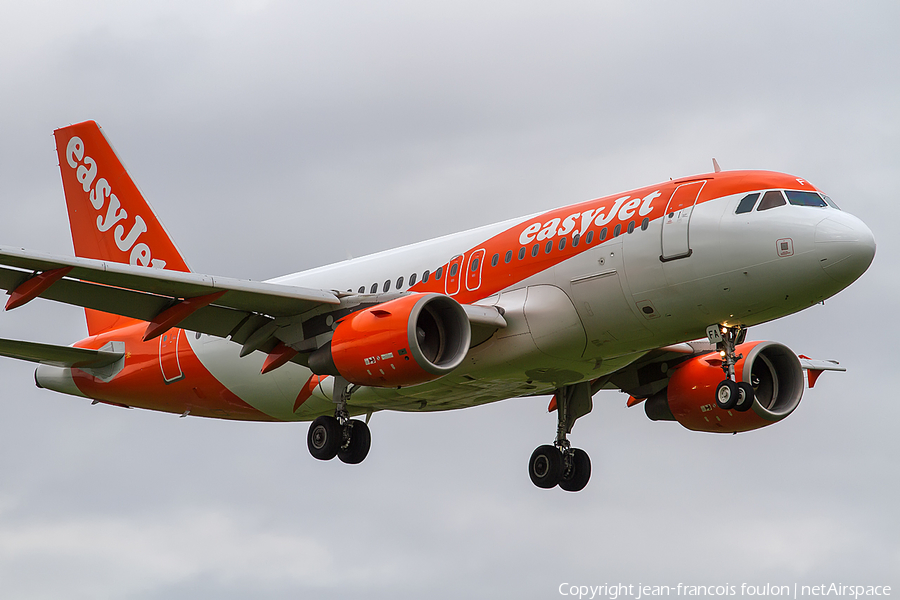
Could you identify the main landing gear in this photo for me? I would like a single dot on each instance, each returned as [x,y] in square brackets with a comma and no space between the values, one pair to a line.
[729,393]
[348,439]
[559,463]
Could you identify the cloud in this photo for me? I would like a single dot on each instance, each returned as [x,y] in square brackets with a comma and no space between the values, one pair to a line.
[116,557]
[272,137]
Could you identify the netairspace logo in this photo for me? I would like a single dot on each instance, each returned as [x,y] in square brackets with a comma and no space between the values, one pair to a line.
[795,591]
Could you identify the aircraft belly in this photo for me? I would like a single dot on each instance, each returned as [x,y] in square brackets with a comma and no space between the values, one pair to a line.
[274,393]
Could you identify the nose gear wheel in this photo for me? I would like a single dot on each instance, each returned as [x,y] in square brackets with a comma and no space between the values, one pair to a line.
[730,394]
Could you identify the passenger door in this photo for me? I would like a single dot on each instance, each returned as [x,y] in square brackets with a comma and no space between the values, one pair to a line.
[676,221]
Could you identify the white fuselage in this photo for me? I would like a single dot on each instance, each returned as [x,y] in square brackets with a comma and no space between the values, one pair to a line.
[585,316]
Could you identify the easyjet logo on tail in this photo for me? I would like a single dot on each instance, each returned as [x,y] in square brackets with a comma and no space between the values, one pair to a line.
[114,217]
[596,216]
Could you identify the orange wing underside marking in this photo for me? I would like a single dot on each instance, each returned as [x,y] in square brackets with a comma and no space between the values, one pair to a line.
[32,288]
[307,390]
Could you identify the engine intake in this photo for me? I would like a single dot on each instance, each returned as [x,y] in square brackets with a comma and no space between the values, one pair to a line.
[409,340]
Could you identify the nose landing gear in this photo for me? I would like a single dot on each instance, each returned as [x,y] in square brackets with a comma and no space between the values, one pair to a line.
[559,463]
[729,393]
[348,439]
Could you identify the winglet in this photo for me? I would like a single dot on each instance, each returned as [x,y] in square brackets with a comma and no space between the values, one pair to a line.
[814,368]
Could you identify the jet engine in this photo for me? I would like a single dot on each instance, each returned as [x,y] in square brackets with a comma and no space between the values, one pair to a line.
[406,341]
[772,369]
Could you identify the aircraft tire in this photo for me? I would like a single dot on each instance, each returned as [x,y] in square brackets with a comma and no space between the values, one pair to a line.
[726,394]
[745,397]
[358,447]
[545,466]
[324,438]
[581,472]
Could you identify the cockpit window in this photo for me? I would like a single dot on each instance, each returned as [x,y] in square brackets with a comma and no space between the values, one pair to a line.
[771,199]
[746,205]
[831,202]
[798,198]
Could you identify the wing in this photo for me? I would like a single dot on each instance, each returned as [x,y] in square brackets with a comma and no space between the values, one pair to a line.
[214,305]
[257,315]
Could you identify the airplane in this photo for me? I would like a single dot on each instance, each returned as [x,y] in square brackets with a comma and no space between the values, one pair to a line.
[649,291]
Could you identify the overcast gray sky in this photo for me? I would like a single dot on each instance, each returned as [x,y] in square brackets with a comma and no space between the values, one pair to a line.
[272,137]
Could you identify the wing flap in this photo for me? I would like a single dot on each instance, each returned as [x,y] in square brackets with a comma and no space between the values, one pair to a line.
[213,320]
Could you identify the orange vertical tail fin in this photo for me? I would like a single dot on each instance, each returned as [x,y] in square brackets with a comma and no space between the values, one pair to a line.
[109,217]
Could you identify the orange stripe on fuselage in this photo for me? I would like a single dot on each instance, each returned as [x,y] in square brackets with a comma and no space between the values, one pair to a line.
[626,207]
[141,384]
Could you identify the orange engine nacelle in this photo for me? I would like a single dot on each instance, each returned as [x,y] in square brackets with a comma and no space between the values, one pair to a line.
[771,368]
[409,340]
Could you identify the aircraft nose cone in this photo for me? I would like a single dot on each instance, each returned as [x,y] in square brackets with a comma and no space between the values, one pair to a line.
[845,246]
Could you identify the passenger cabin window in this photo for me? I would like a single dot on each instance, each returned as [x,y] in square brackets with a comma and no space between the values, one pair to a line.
[362,289]
[453,269]
[746,203]
[425,276]
[374,288]
[771,199]
[387,285]
[412,280]
[508,256]
[439,273]
[400,282]
[799,198]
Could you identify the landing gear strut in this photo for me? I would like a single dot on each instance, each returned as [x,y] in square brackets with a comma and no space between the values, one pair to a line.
[559,463]
[348,439]
[730,394]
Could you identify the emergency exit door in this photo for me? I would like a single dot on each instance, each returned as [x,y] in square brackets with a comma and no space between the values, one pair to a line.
[169,361]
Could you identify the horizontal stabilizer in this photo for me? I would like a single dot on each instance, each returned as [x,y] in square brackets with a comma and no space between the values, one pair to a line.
[58,356]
